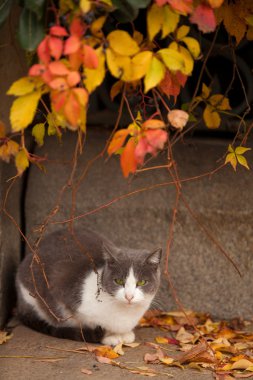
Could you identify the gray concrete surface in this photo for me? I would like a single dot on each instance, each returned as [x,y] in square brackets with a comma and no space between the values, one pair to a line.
[26,342]
[203,278]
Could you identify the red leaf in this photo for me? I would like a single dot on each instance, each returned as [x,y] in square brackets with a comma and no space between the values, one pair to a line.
[75,60]
[127,159]
[180,78]
[183,6]
[58,100]
[43,50]
[58,68]
[142,148]
[204,17]
[77,28]
[37,70]
[72,45]
[73,78]
[169,86]
[90,58]
[58,31]
[55,46]
[160,3]
[156,138]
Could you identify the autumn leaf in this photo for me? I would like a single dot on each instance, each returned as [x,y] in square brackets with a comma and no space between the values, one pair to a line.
[22,86]
[5,336]
[220,102]
[116,89]
[171,83]
[206,91]
[21,161]
[94,77]
[211,117]
[2,130]
[122,43]
[192,45]
[170,21]
[178,118]
[86,371]
[127,159]
[23,110]
[154,20]
[203,16]
[182,32]
[153,124]
[97,25]
[38,133]
[172,59]
[154,75]
[106,352]
[117,141]
[235,156]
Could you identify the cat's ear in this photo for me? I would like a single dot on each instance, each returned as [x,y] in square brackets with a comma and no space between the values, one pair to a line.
[109,253]
[155,257]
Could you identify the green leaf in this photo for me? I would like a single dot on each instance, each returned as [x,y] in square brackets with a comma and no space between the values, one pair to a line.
[38,133]
[36,6]
[124,11]
[30,31]
[5,8]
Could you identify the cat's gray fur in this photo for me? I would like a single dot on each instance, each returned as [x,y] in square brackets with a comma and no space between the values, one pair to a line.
[83,269]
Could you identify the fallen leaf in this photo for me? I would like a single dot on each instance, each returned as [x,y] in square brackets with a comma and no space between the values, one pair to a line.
[86,371]
[118,349]
[199,353]
[5,336]
[242,364]
[154,358]
[103,360]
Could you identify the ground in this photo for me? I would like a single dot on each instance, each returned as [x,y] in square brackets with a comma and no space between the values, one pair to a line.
[26,342]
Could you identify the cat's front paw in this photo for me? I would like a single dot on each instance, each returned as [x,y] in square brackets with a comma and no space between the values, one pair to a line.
[113,340]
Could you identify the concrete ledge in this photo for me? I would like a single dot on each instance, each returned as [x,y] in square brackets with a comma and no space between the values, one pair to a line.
[203,278]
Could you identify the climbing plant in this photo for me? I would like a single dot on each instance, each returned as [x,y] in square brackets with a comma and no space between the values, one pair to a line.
[148,47]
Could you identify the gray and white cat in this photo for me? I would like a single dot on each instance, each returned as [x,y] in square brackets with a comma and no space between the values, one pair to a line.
[97,292]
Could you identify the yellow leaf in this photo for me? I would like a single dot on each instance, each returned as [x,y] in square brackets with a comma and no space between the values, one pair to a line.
[5,336]
[23,110]
[21,161]
[22,86]
[188,61]
[10,148]
[118,64]
[116,89]
[97,25]
[117,141]
[139,66]
[242,364]
[211,117]
[122,43]
[38,133]
[242,161]
[138,37]
[220,102]
[154,20]
[154,75]
[94,77]
[192,45]
[172,59]
[231,158]
[153,124]
[241,150]
[170,21]
[161,339]
[182,32]
[167,360]
[85,5]
[205,91]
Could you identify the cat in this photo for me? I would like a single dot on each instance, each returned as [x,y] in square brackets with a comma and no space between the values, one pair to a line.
[83,287]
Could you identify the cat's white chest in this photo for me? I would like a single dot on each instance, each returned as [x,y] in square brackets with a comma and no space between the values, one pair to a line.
[98,308]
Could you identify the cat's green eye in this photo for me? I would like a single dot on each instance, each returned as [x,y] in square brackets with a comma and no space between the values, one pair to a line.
[119,281]
[141,283]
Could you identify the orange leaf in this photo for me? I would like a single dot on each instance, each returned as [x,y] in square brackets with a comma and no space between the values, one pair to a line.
[73,78]
[58,100]
[36,70]
[90,58]
[55,46]
[116,89]
[117,141]
[43,50]
[127,159]
[2,130]
[59,84]
[77,27]
[58,68]
[81,95]
[106,352]
[72,111]
[10,148]
[153,124]
[72,44]
[58,31]
[182,6]
[203,16]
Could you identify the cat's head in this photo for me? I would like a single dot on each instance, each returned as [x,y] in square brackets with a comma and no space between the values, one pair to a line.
[131,276]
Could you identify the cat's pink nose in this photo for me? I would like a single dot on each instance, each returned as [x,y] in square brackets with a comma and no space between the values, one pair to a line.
[129,297]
